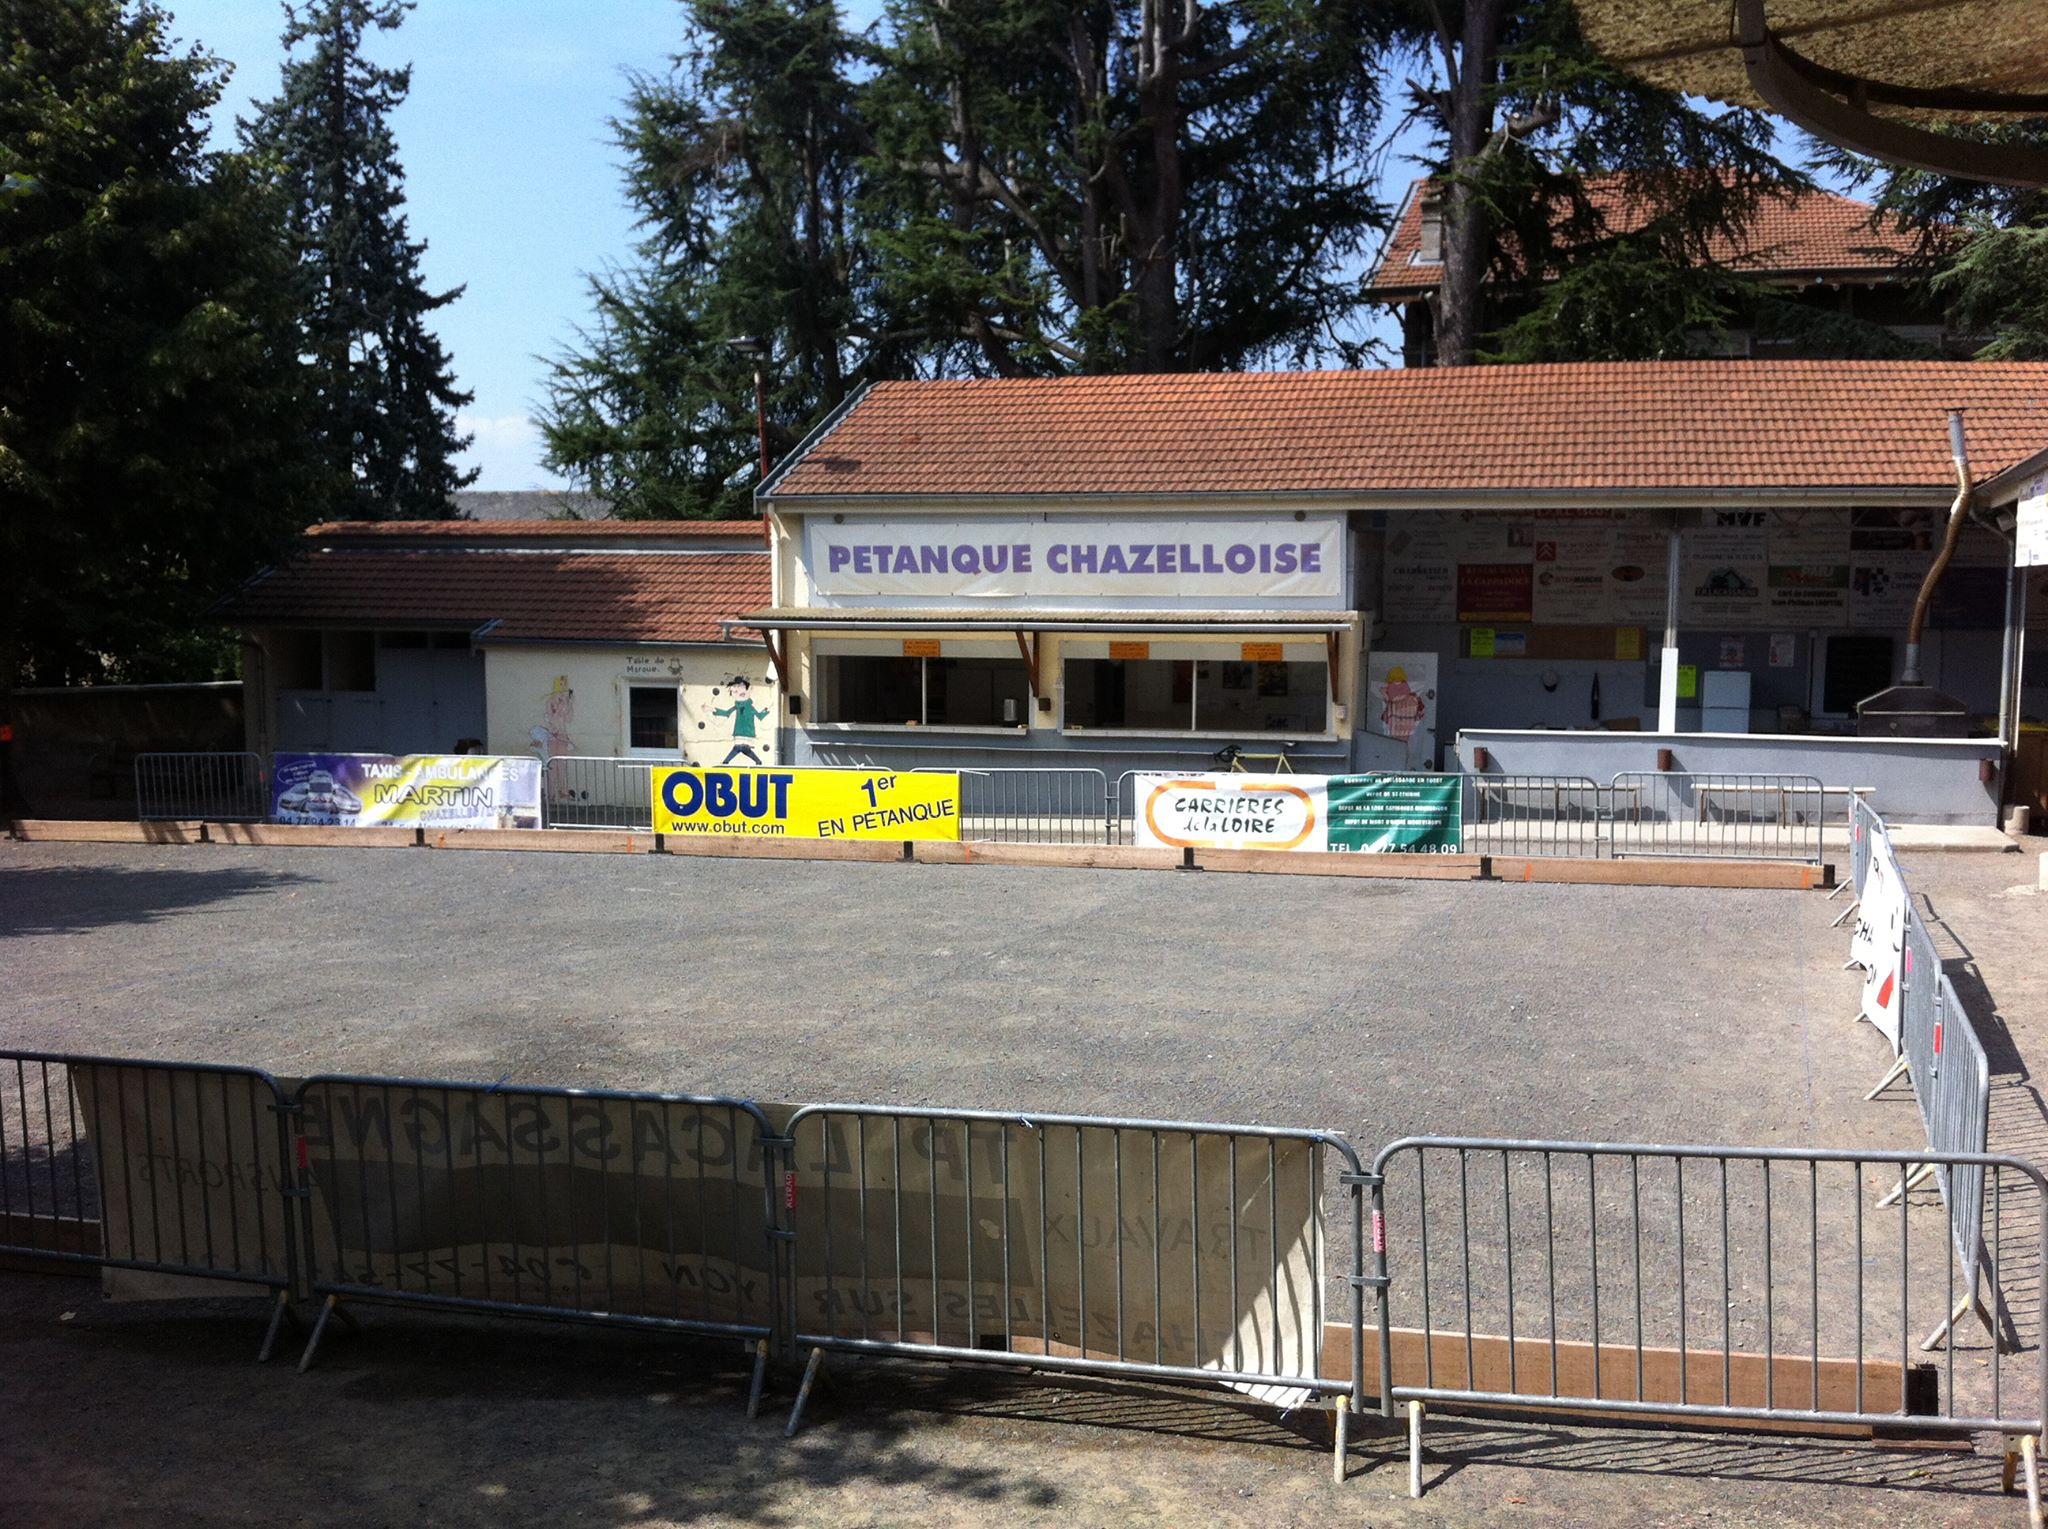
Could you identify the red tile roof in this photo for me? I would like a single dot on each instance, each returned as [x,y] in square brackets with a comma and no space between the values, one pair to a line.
[1807,234]
[567,531]
[638,597]
[1829,426]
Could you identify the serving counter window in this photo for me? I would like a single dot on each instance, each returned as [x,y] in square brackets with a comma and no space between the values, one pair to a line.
[942,689]
[1261,687]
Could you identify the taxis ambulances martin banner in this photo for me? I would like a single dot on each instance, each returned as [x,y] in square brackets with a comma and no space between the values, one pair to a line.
[1376,814]
[424,790]
[807,804]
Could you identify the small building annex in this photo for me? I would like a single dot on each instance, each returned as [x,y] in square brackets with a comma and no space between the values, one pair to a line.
[507,637]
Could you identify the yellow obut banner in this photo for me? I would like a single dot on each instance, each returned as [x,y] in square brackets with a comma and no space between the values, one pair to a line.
[807,804]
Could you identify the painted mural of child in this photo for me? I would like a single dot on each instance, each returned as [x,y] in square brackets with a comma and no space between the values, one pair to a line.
[744,714]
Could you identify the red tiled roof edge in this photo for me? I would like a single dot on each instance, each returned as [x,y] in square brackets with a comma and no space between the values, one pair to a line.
[1791,226]
[529,530]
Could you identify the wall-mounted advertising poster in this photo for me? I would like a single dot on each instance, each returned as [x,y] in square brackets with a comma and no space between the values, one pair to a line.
[409,790]
[1495,591]
[1421,561]
[1725,571]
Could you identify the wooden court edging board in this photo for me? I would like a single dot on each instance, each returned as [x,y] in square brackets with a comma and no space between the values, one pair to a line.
[1405,867]
[1121,857]
[1784,875]
[1101,857]
[1791,1375]
[581,841]
[97,831]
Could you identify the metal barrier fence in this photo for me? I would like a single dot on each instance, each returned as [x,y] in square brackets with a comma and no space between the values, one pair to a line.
[1033,806]
[225,788]
[639,1209]
[1081,1244]
[596,791]
[1718,817]
[1864,823]
[1655,1281]
[193,1181]
[1609,1278]
[1536,815]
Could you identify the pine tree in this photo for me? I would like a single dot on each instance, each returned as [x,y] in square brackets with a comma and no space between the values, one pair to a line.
[152,406]
[1524,115]
[385,385]
[742,164]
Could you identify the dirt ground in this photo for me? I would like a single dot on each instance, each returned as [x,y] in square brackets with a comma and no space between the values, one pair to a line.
[1377,1008]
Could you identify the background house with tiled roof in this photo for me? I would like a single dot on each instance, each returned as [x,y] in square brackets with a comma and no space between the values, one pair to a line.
[1135,572]
[1816,249]
[506,637]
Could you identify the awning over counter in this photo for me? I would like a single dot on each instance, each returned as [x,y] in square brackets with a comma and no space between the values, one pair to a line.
[1027,624]
[924,619]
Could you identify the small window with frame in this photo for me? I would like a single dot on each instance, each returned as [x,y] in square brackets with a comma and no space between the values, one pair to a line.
[653,723]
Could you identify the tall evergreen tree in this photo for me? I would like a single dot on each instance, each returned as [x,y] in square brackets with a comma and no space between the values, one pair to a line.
[1126,184]
[974,186]
[152,405]
[1523,114]
[742,164]
[385,384]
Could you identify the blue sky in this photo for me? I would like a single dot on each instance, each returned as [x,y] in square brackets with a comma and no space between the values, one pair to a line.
[511,175]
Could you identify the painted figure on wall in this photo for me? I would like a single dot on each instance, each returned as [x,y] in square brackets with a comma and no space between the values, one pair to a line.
[744,714]
[557,713]
[1401,709]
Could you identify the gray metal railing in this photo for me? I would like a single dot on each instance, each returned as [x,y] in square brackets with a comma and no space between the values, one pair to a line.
[223,788]
[597,791]
[1715,1282]
[1032,806]
[1079,1244]
[596,1205]
[191,1182]
[1540,815]
[1718,817]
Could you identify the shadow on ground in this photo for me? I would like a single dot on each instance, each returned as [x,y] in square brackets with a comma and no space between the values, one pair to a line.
[71,899]
[501,1421]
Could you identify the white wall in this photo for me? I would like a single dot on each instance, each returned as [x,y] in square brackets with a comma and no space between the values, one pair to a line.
[577,697]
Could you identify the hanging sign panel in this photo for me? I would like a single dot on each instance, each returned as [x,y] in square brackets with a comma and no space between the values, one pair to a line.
[1366,814]
[806,804]
[2030,544]
[998,558]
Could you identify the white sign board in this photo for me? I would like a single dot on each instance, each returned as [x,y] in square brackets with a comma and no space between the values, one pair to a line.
[1878,944]
[1400,701]
[1106,562]
[2030,543]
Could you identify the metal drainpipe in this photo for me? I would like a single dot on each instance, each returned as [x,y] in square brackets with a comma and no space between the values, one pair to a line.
[1960,453]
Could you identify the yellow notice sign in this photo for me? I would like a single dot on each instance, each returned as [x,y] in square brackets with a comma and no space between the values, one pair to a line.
[1688,681]
[1482,642]
[806,804]
[1628,642]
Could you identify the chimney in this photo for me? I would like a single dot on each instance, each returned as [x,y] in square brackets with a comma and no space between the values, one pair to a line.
[1431,250]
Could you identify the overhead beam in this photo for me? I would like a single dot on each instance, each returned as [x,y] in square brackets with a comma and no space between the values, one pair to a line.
[1799,90]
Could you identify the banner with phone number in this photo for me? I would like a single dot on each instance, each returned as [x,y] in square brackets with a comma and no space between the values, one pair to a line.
[1366,814]
[807,804]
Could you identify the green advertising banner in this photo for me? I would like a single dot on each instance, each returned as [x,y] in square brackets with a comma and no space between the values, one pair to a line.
[1396,814]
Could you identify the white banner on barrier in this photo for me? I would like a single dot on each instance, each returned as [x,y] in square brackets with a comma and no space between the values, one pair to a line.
[1879,942]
